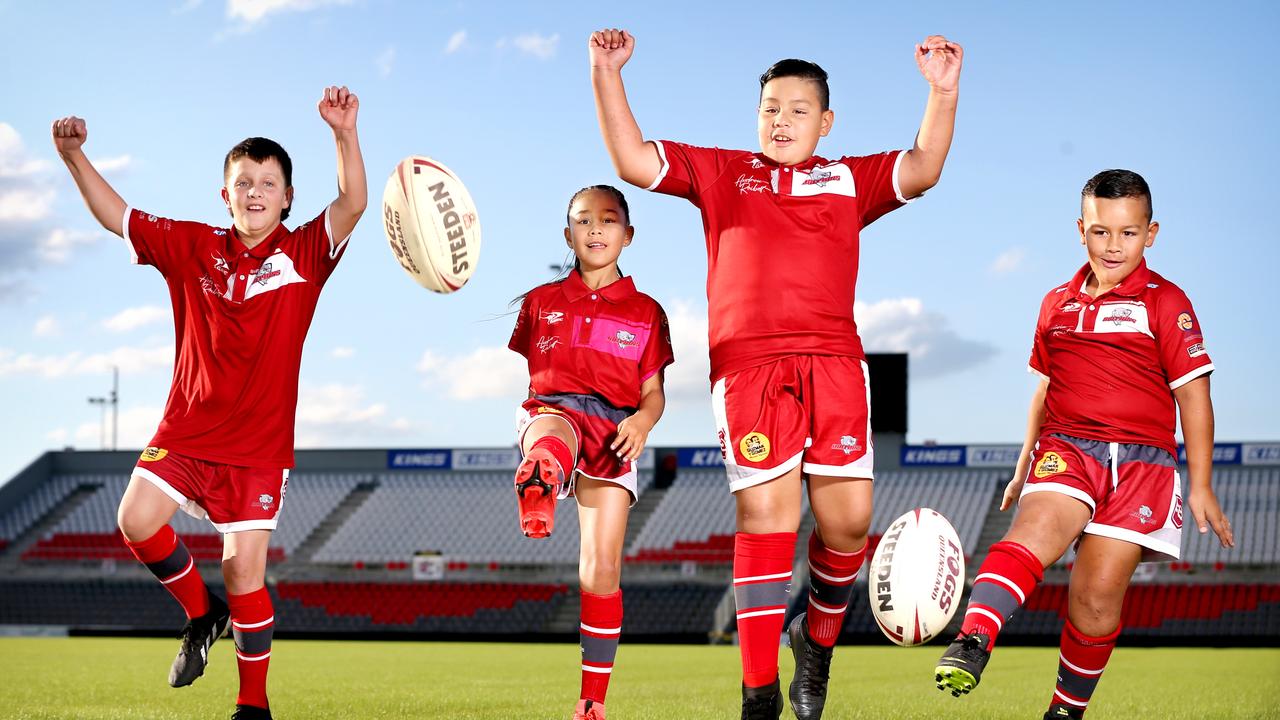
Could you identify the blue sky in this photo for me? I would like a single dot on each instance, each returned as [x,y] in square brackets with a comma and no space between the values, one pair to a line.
[1051,93]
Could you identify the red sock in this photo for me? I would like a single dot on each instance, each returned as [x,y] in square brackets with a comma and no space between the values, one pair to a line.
[252,623]
[600,623]
[831,576]
[559,450]
[761,582]
[168,559]
[1080,665]
[1004,581]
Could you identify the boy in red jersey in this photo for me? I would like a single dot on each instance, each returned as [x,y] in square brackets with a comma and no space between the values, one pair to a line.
[789,392]
[1116,348]
[243,298]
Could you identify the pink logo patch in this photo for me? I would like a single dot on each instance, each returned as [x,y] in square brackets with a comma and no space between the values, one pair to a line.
[1177,512]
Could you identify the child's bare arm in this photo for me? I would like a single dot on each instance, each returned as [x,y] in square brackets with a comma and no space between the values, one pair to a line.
[635,160]
[1195,408]
[633,432]
[939,60]
[69,136]
[1035,419]
[338,108]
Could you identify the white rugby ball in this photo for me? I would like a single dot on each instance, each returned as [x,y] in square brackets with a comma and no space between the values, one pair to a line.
[431,224]
[916,577]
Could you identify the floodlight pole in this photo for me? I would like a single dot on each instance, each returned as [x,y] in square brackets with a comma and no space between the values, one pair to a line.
[115,405]
[102,422]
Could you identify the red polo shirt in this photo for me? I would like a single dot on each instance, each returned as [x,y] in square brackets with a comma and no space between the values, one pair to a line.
[782,247]
[240,317]
[1113,361]
[604,342]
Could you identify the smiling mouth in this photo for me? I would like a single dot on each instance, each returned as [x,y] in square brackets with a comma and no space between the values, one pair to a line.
[596,246]
[255,208]
[781,140]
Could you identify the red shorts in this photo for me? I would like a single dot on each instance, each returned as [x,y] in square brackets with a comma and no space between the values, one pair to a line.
[1133,490]
[594,424]
[810,409]
[233,498]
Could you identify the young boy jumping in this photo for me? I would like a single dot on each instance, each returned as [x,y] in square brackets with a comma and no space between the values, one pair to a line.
[243,298]
[790,390]
[1116,348]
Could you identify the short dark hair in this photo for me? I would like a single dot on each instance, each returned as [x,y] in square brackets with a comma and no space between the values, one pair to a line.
[260,149]
[1115,184]
[802,69]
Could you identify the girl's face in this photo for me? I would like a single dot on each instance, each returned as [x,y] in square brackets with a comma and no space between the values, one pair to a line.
[598,230]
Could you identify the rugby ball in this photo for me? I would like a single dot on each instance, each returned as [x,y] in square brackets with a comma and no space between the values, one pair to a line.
[916,577]
[431,224]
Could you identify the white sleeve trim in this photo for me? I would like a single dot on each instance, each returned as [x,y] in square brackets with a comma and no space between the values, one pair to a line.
[334,248]
[897,189]
[1202,370]
[662,172]
[1037,373]
[124,233]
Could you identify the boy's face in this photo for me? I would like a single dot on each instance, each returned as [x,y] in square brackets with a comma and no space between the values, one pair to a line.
[256,195]
[1115,232]
[791,120]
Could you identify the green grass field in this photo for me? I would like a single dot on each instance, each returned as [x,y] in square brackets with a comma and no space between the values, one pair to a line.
[118,678]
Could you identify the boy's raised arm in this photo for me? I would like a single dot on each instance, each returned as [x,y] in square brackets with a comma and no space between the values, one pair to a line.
[939,60]
[69,135]
[338,108]
[635,160]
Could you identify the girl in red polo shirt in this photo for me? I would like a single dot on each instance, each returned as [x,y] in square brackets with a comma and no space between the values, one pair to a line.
[596,349]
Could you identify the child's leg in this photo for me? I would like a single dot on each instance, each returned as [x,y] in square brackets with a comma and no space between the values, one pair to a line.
[837,548]
[244,566]
[144,514]
[764,550]
[602,517]
[549,444]
[1099,579]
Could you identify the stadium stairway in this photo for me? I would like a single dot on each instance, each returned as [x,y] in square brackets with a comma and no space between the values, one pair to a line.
[12,554]
[640,513]
[327,527]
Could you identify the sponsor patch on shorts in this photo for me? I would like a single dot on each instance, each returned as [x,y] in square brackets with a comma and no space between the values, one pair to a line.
[755,447]
[153,454]
[1051,464]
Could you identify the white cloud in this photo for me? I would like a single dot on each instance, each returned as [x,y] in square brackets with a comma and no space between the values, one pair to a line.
[135,317]
[47,326]
[542,47]
[486,372]
[129,359]
[137,427]
[187,6]
[336,414]
[342,353]
[252,11]
[58,245]
[456,41]
[688,378]
[112,164]
[903,325]
[1009,261]
[386,61]
[24,205]
[14,160]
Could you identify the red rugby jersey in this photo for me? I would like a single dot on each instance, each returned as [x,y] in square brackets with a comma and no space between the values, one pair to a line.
[782,247]
[1113,361]
[604,342]
[240,317]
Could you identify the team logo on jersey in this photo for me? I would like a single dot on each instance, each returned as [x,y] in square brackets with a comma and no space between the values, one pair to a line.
[220,264]
[219,232]
[821,177]
[848,445]
[1051,464]
[547,343]
[1185,322]
[550,317]
[1120,316]
[266,501]
[625,339]
[1177,512]
[1071,307]
[1195,350]
[264,274]
[747,184]
[755,163]
[755,446]
[153,454]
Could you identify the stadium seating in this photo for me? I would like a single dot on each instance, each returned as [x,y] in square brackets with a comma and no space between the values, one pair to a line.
[1250,497]
[35,505]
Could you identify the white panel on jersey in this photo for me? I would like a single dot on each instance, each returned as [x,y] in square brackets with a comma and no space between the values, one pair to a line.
[1120,317]
[274,273]
[833,179]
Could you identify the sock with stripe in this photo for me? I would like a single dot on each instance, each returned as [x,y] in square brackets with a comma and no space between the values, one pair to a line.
[761,583]
[1080,664]
[168,559]
[1004,581]
[559,450]
[831,576]
[599,629]
[252,622]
